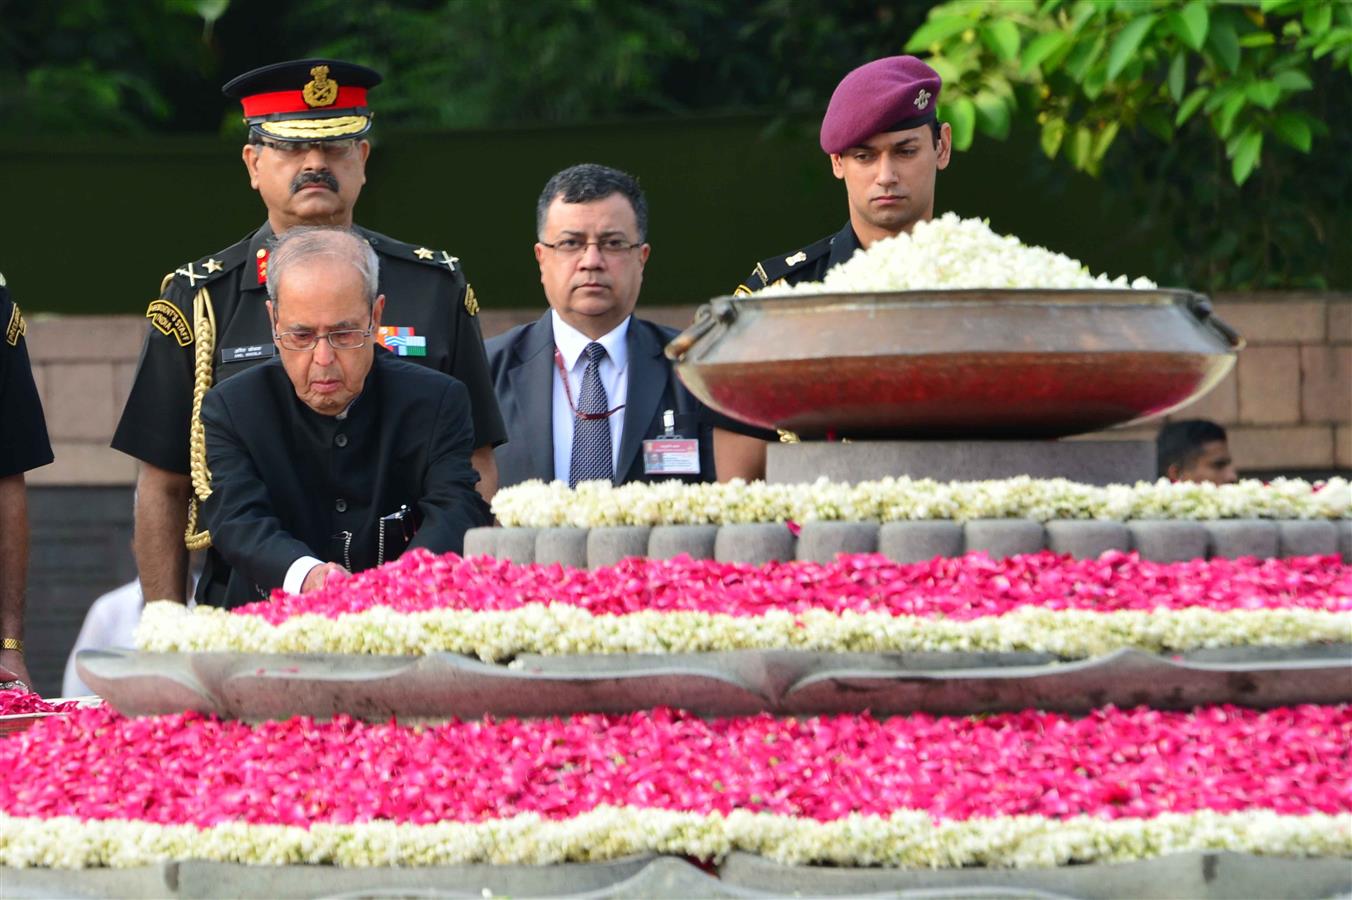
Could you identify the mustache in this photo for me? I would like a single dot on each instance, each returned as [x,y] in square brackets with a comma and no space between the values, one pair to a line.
[311,177]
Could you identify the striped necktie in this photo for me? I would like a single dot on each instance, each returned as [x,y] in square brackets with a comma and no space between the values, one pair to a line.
[591,459]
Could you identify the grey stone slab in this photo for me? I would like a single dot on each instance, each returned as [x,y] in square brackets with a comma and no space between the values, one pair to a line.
[607,546]
[1086,539]
[920,540]
[1004,537]
[1298,537]
[1164,540]
[1345,539]
[1087,461]
[265,686]
[566,546]
[1124,678]
[755,544]
[669,878]
[211,880]
[482,541]
[1206,875]
[517,544]
[1235,538]
[259,686]
[695,541]
[822,541]
[134,883]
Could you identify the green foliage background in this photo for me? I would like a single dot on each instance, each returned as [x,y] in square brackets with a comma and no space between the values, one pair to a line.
[1099,85]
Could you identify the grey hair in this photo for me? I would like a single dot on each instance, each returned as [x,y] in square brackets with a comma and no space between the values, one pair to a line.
[586,183]
[306,242]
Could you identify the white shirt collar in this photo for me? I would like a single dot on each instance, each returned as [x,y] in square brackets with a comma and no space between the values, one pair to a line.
[572,342]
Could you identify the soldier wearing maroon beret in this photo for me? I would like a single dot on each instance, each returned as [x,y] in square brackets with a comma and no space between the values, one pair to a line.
[306,156]
[885,142]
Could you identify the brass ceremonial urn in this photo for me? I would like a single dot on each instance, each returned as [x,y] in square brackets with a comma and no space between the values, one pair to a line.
[954,364]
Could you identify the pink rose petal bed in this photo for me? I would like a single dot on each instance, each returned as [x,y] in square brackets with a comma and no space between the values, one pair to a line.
[1026,789]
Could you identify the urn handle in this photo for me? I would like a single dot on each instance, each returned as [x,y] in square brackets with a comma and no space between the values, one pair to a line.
[1201,307]
[722,311]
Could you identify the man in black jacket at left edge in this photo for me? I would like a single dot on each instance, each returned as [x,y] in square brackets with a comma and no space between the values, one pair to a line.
[334,456]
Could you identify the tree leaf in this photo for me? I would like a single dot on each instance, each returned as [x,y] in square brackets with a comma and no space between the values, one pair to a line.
[1246,156]
[992,115]
[1040,48]
[1079,148]
[1104,140]
[1264,93]
[1258,39]
[937,31]
[1126,43]
[1225,118]
[1193,20]
[960,114]
[1318,17]
[1293,80]
[1177,72]
[1002,36]
[1190,104]
[1053,132]
[1083,56]
[1224,42]
[1292,129]
[1157,123]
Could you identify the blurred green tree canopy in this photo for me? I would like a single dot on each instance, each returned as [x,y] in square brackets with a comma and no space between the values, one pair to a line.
[1178,100]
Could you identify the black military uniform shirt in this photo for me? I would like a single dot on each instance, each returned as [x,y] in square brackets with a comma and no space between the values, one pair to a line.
[430,318]
[808,264]
[811,263]
[23,430]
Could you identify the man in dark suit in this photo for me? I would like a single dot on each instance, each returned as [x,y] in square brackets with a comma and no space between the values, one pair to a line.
[333,456]
[585,390]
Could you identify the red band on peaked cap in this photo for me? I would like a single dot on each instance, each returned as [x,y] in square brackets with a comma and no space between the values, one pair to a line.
[294,101]
[885,95]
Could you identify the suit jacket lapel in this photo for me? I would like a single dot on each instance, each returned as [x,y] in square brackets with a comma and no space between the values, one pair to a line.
[648,373]
[531,383]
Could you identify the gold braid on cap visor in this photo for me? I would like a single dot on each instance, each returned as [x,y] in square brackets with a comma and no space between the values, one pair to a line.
[316,129]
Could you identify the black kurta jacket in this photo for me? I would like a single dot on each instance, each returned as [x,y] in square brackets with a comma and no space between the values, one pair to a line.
[287,482]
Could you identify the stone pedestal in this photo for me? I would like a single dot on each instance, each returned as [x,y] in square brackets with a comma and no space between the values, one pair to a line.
[1091,462]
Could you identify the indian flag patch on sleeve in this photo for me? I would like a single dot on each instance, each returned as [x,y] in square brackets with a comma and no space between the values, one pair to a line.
[401,341]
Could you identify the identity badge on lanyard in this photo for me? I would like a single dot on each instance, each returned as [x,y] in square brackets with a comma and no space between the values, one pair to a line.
[669,453]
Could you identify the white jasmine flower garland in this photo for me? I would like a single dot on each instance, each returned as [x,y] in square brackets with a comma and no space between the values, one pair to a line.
[560,629]
[954,253]
[534,504]
[904,839]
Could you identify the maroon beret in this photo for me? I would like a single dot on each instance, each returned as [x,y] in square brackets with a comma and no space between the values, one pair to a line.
[888,94]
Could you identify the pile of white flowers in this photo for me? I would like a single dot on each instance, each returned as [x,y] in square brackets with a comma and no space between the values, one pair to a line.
[955,253]
[560,629]
[905,839]
[595,504]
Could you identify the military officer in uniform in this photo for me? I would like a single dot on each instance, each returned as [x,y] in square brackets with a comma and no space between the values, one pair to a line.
[306,157]
[23,446]
[335,455]
[884,141]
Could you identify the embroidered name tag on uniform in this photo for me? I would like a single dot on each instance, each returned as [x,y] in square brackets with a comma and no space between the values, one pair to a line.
[253,351]
[169,321]
[671,456]
[401,341]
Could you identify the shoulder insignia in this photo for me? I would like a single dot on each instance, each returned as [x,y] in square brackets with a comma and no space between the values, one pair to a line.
[742,291]
[198,273]
[2,279]
[775,268]
[169,321]
[471,302]
[16,327]
[797,258]
[423,253]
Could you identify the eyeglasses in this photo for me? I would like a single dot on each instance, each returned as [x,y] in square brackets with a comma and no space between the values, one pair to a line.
[345,339]
[298,149]
[611,246]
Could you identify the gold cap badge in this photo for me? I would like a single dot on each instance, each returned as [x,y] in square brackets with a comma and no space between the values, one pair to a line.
[321,90]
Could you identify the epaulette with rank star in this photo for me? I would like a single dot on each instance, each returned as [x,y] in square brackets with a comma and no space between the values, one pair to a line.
[195,274]
[388,246]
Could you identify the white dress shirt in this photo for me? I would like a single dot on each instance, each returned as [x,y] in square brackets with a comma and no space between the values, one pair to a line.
[614,372]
